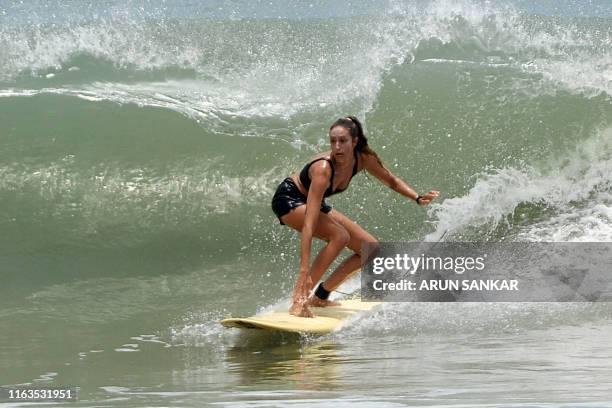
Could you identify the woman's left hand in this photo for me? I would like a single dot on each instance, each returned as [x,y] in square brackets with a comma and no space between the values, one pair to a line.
[427,198]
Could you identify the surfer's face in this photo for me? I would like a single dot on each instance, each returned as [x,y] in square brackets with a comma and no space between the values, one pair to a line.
[342,143]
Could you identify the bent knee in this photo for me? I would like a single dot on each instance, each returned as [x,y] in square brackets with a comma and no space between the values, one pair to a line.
[341,237]
[369,246]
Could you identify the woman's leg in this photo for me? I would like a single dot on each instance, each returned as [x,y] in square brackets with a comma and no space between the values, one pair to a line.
[351,264]
[337,237]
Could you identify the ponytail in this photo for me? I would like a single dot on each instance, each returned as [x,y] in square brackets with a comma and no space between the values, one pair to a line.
[356,128]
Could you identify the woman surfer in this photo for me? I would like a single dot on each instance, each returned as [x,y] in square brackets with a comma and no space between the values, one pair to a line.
[299,202]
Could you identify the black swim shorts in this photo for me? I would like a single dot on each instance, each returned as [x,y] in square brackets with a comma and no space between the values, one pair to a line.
[288,196]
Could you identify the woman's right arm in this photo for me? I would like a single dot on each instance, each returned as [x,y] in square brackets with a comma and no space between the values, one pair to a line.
[319,175]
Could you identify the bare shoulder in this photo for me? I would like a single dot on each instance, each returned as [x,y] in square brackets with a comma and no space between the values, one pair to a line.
[320,168]
[368,161]
[320,174]
[326,154]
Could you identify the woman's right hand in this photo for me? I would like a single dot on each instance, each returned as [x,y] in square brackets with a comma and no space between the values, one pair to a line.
[299,306]
[300,310]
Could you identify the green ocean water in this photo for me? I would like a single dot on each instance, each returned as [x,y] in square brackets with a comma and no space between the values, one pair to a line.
[141,143]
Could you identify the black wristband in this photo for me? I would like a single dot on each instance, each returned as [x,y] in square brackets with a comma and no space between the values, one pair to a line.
[418,198]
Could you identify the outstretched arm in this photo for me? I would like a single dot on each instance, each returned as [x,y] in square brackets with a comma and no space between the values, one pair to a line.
[378,170]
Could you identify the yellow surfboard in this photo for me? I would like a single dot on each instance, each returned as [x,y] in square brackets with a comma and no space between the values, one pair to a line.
[326,319]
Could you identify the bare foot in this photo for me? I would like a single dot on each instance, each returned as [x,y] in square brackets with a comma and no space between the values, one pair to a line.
[300,310]
[318,302]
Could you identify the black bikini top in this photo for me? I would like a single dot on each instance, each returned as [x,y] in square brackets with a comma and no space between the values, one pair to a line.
[305,178]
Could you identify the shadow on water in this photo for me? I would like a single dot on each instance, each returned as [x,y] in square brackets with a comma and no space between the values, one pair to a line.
[300,361]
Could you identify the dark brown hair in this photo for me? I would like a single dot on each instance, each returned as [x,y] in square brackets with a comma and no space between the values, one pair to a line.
[354,126]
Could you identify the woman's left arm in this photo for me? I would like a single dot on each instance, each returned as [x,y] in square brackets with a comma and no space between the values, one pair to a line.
[378,170]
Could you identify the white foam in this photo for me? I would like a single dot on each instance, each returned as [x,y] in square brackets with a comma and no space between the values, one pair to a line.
[202,329]
[121,39]
[576,57]
[468,318]
[282,78]
[106,196]
[579,190]
[592,224]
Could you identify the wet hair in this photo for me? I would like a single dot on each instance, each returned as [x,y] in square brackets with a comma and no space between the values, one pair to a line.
[353,125]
